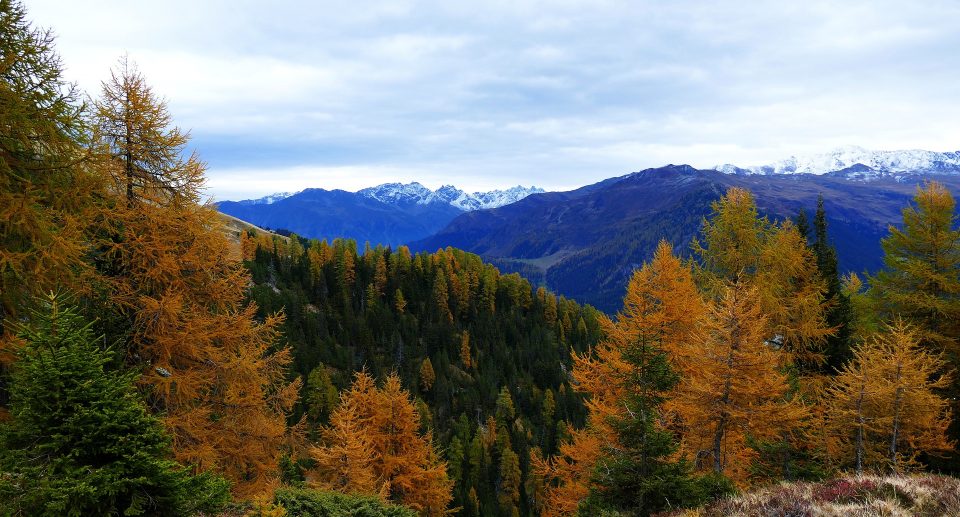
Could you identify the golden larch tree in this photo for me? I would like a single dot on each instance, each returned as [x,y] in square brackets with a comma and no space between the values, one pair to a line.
[210,366]
[884,407]
[662,306]
[737,245]
[566,476]
[145,150]
[738,391]
[46,183]
[427,375]
[403,464]
[465,358]
[919,282]
[345,463]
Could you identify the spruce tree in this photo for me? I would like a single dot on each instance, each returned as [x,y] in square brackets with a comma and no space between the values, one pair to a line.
[80,441]
[802,223]
[838,314]
[640,476]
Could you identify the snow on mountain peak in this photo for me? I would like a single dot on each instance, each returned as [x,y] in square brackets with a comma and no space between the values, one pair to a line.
[268,200]
[857,162]
[415,193]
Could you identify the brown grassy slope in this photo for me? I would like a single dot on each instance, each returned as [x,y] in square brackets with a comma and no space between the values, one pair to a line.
[233,228]
[851,496]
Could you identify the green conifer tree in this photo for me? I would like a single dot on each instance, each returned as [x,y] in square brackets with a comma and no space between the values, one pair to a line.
[640,476]
[80,441]
[837,349]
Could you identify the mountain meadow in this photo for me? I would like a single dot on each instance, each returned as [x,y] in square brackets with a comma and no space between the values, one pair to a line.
[680,341]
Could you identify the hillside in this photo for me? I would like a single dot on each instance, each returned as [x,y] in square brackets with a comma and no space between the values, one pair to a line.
[584,243]
[234,228]
[498,348]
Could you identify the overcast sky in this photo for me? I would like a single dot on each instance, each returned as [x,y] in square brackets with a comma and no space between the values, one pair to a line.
[281,96]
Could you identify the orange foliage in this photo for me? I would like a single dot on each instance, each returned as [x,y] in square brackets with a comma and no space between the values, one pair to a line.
[373,446]
[47,189]
[737,389]
[465,350]
[662,305]
[884,409]
[209,365]
[210,368]
[567,475]
[737,245]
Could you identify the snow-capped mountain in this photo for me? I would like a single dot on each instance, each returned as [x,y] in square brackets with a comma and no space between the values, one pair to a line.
[392,213]
[267,200]
[858,163]
[415,193]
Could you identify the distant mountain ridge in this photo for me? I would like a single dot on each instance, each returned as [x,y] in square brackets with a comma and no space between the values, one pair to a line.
[265,200]
[390,214]
[585,243]
[858,163]
[416,193]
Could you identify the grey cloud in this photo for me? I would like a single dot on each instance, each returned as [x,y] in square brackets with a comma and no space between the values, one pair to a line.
[556,93]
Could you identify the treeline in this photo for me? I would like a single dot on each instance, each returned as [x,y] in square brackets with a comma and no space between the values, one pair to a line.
[755,362]
[486,356]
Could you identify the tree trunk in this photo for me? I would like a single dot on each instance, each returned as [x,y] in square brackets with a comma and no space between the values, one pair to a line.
[860,425]
[895,432]
[128,155]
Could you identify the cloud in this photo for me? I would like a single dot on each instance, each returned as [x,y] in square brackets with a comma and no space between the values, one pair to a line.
[556,93]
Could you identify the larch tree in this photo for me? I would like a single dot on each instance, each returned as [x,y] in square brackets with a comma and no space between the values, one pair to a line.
[738,392]
[145,149]
[465,357]
[441,296]
[345,462]
[373,446]
[427,375]
[920,281]
[46,184]
[211,368]
[567,475]
[885,409]
[660,319]
[737,245]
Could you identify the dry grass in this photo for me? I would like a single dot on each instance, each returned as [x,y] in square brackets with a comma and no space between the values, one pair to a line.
[851,496]
[232,228]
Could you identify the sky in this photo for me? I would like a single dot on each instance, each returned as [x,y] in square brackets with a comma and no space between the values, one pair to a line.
[282,96]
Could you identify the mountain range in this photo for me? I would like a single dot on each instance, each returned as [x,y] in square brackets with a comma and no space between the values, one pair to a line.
[585,243]
[857,163]
[391,214]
